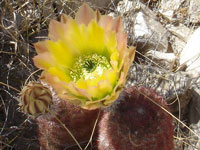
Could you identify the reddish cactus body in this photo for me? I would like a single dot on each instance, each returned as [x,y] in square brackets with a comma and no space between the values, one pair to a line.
[80,122]
[134,122]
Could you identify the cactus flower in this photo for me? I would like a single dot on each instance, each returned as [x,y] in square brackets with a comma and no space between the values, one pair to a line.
[85,59]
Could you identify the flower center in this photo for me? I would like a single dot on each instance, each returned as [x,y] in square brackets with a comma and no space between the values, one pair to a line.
[89,67]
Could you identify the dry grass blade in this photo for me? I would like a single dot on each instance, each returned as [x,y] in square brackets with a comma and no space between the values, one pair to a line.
[95,124]
[10,87]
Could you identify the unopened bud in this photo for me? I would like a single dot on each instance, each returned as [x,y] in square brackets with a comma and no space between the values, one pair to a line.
[35,99]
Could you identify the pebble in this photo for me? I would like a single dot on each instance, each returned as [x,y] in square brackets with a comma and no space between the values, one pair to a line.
[190,56]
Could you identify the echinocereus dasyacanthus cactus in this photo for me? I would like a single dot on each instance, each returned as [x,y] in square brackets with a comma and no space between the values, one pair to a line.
[133,122]
[86,61]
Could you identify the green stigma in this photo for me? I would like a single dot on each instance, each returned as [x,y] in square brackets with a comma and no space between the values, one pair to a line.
[89,67]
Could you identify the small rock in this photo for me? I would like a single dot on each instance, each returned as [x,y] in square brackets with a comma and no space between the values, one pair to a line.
[180,31]
[102,4]
[127,6]
[177,45]
[169,57]
[195,141]
[190,56]
[142,27]
[166,60]
[194,11]
[168,7]
[179,37]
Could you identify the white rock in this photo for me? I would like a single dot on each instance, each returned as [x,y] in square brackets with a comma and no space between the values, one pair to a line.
[179,37]
[177,45]
[169,57]
[125,6]
[194,11]
[143,27]
[191,53]
[181,31]
[167,7]
[140,25]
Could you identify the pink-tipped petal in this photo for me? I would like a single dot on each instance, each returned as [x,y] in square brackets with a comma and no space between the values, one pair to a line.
[118,25]
[43,60]
[65,18]
[40,47]
[98,15]
[110,24]
[77,91]
[67,91]
[85,14]
[56,30]
[53,81]
[121,41]
[106,22]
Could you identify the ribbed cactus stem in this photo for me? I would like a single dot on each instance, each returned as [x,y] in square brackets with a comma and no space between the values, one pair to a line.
[133,122]
[53,134]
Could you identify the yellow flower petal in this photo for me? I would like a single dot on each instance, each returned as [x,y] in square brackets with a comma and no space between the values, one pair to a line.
[43,60]
[77,92]
[61,53]
[95,41]
[93,91]
[99,86]
[104,88]
[81,38]
[60,74]
[114,59]
[111,76]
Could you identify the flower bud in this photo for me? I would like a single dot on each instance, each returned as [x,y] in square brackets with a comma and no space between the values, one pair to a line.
[35,99]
